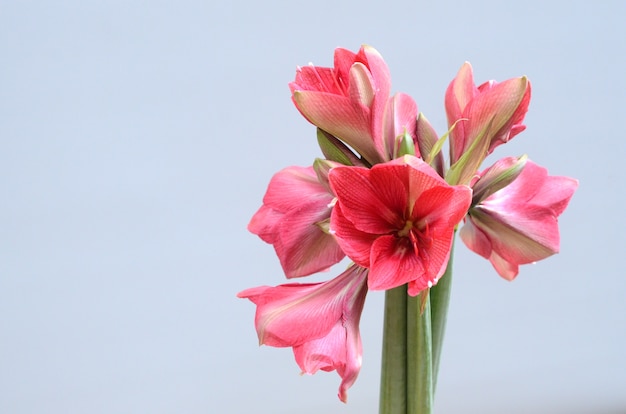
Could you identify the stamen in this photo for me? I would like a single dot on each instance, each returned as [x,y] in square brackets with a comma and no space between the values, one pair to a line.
[414,242]
[406,230]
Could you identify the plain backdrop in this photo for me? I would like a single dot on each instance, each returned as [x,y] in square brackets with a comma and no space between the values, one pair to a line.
[137,139]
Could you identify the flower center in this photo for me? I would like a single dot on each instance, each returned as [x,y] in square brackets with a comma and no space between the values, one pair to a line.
[419,239]
[407,228]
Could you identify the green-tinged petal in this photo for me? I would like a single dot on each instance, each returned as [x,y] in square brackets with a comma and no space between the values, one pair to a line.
[322,168]
[404,146]
[462,171]
[338,116]
[361,88]
[335,150]
[498,176]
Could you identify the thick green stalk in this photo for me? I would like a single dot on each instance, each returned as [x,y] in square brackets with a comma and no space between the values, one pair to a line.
[419,355]
[439,301]
[393,378]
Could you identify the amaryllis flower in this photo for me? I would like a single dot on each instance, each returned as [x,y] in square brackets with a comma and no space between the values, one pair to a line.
[518,224]
[495,110]
[295,209]
[398,220]
[319,320]
[350,100]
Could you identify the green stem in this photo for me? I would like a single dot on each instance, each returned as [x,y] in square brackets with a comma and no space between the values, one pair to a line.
[419,355]
[439,301]
[393,378]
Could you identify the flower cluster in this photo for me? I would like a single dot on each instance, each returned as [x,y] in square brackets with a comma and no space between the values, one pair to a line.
[384,196]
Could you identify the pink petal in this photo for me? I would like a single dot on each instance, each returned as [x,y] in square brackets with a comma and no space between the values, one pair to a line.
[264,224]
[400,117]
[475,239]
[320,321]
[315,78]
[458,95]
[348,101]
[361,89]
[291,185]
[341,349]
[534,185]
[426,140]
[498,106]
[520,221]
[378,68]
[506,269]
[343,61]
[302,247]
[338,116]
[294,204]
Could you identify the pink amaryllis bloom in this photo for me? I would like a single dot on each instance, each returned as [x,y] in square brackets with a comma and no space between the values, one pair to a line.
[519,223]
[495,109]
[295,209]
[350,102]
[398,220]
[319,320]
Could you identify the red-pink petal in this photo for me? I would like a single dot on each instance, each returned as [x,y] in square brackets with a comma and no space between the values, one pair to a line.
[447,204]
[393,263]
[371,207]
[355,244]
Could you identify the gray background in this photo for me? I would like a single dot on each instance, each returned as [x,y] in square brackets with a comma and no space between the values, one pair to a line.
[137,139]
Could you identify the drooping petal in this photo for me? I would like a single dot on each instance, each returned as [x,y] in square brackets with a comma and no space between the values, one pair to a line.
[341,349]
[320,321]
